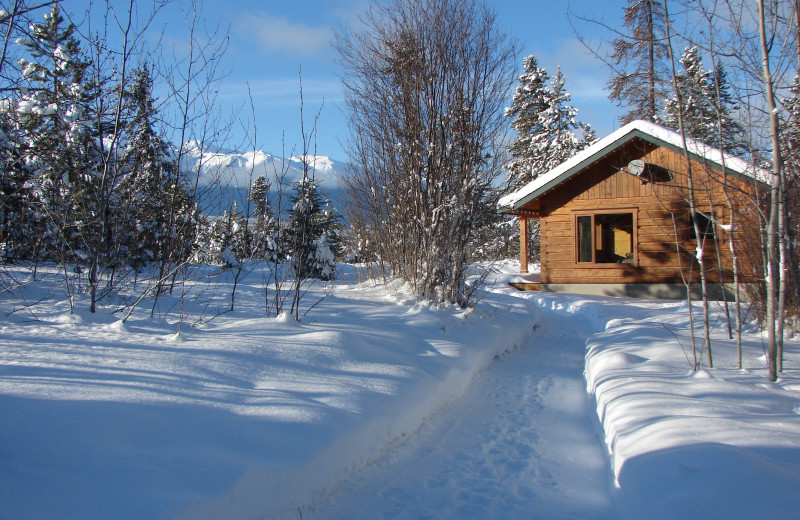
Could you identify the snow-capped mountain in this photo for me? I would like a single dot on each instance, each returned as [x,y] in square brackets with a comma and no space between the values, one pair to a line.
[226,176]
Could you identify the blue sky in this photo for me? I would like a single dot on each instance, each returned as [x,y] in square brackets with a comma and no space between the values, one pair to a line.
[271,40]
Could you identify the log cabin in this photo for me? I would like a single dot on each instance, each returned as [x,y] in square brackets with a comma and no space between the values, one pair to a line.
[616,218]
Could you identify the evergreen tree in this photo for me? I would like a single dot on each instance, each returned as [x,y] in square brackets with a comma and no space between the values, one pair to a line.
[734,134]
[313,232]
[239,243]
[146,190]
[559,119]
[266,245]
[161,221]
[545,124]
[63,153]
[791,126]
[18,220]
[641,74]
[704,111]
[222,241]
[531,98]
[546,129]
[790,150]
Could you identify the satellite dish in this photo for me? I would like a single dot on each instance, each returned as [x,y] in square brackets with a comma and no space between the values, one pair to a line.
[649,172]
[636,167]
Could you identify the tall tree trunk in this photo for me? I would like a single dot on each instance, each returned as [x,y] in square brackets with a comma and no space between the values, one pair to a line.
[651,58]
[772,253]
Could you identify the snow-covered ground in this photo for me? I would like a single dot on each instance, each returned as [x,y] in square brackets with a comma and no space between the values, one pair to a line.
[377,407]
[521,443]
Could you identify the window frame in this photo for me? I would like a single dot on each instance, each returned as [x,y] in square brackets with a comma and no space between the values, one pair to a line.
[576,214]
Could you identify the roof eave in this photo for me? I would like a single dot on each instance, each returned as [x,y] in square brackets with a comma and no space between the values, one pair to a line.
[572,170]
[633,133]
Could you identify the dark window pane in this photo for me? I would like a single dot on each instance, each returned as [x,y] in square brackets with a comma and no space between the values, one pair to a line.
[705,224]
[585,239]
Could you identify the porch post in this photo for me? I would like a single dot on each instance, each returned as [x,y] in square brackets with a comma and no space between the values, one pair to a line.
[523,244]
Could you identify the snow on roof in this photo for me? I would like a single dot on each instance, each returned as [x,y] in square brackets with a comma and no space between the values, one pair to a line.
[646,130]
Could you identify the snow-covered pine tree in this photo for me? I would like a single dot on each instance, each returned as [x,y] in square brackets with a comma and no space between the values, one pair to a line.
[228,242]
[790,139]
[559,120]
[734,135]
[546,125]
[266,244]
[221,241]
[18,220]
[144,193]
[531,98]
[240,240]
[313,232]
[159,214]
[704,111]
[63,155]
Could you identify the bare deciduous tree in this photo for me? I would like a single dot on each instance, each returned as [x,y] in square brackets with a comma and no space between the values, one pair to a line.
[425,84]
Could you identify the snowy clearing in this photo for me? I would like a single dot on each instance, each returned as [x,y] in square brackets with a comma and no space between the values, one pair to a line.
[249,417]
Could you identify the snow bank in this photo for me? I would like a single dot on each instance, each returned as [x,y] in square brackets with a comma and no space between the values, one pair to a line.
[716,443]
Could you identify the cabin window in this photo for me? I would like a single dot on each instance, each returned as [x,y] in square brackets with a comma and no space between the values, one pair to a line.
[605,238]
[704,223]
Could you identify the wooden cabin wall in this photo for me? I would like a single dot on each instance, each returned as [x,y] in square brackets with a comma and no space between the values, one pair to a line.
[658,207]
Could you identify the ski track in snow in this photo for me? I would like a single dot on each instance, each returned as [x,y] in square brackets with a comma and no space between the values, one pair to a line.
[521,443]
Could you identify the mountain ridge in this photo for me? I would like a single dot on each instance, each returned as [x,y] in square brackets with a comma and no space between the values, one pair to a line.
[226,175]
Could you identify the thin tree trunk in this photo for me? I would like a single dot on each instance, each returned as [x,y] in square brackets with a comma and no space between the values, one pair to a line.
[692,204]
[688,285]
[772,267]
[782,263]
[651,58]
[729,204]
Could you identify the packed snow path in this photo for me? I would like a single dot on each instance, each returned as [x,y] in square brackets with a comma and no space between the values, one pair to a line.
[521,443]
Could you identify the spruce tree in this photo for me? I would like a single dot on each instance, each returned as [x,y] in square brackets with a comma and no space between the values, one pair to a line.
[547,135]
[63,153]
[531,99]
[265,244]
[707,105]
[146,189]
[547,130]
[790,150]
[313,232]
[19,221]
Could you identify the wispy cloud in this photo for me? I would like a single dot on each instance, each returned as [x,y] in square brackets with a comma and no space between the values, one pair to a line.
[349,12]
[284,91]
[277,34]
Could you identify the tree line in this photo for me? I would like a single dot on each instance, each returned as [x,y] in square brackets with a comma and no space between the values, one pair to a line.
[93,170]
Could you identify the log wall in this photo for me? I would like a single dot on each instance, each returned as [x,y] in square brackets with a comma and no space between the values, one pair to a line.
[661,219]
